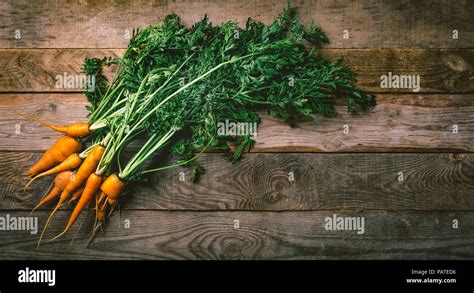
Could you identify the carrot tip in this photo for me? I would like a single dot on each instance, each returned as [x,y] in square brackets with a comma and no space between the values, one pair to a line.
[29,183]
[56,237]
[32,211]
[58,206]
[94,232]
[69,202]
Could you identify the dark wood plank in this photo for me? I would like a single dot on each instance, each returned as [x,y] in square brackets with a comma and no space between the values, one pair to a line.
[370,23]
[261,182]
[402,123]
[263,235]
[440,70]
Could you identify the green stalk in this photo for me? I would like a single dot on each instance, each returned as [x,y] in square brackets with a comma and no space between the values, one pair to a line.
[117,141]
[103,121]
[103,104]
[171,76]
[179,164]
[119,152]
[183,88]
[145,152]
[114,105]
[104,141]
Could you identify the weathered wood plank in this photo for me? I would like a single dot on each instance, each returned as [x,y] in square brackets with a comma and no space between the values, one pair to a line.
[399,123]
[27,70]
[440,70]
[262,235]
[108,24]
[261,182]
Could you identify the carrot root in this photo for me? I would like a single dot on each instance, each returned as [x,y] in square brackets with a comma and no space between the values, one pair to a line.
[60,181]
[52,195]
[112,186]
[57,236]
[79,228]
[92,185]
[75,195]
[42,197]
[60,151]
[71,162]
[86,169]
[75,129]
[58,206]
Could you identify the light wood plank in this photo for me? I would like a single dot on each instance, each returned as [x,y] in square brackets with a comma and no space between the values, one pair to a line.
[38,70]
[440,70]
[108,24]
[402,123]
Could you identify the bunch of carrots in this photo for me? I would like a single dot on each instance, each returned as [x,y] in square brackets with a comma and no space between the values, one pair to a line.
[172,87]
[84,185]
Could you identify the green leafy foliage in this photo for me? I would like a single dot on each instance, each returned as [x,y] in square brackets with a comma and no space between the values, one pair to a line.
[93,67]
[181,82]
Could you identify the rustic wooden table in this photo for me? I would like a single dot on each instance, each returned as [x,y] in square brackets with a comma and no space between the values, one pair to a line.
[346,165]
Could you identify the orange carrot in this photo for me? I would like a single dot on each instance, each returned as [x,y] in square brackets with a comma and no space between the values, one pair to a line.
[112,202]
[60,203]
[101,214]
[87,167]
[92,185]
[60,182]
[74,129]
[71,162]
[76,195]
[101,208]
[112,186]
[62,149]
[62,200]
[111,189]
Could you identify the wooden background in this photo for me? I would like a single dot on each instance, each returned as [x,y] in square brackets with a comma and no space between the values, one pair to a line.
[347,174]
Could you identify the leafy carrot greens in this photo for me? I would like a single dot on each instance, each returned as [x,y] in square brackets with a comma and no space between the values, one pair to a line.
[175,84]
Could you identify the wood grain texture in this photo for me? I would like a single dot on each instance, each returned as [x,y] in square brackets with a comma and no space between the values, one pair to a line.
[37,70]
[262,235]
[108,24]
[440,70]
[261,182]
[350,174]
[402,123]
